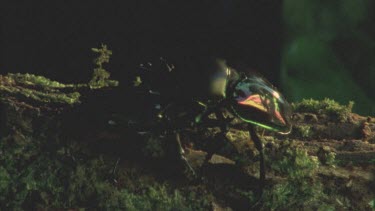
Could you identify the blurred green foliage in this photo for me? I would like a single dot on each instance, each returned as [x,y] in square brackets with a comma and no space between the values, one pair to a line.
[372,204]
[329,51]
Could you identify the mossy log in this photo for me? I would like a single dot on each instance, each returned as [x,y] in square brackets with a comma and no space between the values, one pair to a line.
[54,156]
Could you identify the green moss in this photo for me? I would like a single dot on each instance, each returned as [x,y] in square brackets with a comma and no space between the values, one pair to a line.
[43,90]
[293,161]
[100,77]
[4,182]
[41,171]
[327,106]
[304,131]
[34,80]
[300,188]
[137,82]
[36,88]
[331,159]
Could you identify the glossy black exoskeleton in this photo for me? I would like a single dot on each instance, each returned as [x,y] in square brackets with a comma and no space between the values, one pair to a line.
[248,97]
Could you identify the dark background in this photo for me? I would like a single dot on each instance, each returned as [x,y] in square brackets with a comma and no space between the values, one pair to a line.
[307,48]
[54,38]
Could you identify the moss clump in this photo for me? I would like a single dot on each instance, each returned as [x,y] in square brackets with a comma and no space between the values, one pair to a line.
[43,90]
[331,159]
[292,160]
[69,176]
[297,186]
[36,88]
[300,188]
[100,77]
[304,131]
[137,82]
[327,156]
[34,80]
[326,107]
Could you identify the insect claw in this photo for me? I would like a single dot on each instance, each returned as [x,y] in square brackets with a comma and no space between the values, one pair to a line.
[189,168]
[181,151]
[113,172]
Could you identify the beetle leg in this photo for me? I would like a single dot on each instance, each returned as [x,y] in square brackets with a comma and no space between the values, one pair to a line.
[223,124]
[181,153]
[259,146]
[114,169]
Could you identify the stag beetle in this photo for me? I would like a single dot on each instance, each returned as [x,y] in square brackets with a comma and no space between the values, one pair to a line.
[251,98]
